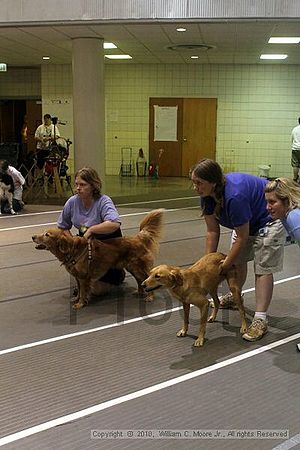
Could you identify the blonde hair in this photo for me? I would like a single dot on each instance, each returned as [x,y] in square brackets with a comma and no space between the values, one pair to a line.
[91,177]
[286,190]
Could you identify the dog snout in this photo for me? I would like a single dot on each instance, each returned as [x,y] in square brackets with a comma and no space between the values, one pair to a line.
[33,237]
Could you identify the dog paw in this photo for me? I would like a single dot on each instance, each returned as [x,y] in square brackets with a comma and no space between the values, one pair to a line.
[13,212]
[149,298]
[181,333]
[199,342]
[211,318]
[79,305]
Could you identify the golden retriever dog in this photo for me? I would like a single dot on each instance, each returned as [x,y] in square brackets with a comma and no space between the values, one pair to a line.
[89,260]
[192,285]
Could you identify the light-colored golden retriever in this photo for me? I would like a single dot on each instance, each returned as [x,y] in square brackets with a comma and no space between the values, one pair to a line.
[89,260]
[192,285]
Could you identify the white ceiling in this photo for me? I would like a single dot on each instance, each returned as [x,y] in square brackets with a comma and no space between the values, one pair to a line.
[233,42]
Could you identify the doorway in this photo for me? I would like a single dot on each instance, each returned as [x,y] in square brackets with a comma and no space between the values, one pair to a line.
[18,122]
[181,132]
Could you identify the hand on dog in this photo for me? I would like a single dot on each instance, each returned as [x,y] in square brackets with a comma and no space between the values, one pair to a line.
[224,267]
[88,234]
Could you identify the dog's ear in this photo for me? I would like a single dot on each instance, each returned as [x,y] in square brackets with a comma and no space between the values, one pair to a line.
[177,277]
[64,245]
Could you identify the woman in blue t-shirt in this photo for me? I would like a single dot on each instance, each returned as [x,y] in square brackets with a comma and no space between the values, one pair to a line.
[95,216]
[237,201]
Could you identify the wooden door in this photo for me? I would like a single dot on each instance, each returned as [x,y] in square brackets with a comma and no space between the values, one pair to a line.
[195,137]
[170,160]
[199,131]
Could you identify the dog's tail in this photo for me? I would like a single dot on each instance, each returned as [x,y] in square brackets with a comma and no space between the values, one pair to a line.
[151,226]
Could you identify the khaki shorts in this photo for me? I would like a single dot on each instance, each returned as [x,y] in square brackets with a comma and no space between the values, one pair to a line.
[265,249]
[295,160]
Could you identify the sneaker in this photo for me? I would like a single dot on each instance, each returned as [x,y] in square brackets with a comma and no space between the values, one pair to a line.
[226,302]
[257,329]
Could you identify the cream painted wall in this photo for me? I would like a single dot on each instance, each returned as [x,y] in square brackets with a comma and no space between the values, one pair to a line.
[258,105]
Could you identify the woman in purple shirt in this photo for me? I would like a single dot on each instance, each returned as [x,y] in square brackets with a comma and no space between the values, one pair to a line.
[95,216]
[237,201]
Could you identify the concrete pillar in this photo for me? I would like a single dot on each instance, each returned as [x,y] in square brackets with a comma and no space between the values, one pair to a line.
[88,104]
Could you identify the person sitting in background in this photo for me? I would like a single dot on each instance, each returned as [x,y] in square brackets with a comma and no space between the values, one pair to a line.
[18,180]
[95,216]
[45,134]
[237,201]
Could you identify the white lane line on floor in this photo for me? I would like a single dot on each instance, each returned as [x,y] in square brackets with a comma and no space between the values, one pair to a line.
[141,393]
[140,213]
[81,333]
[112,325]
[289,443]
[118,205]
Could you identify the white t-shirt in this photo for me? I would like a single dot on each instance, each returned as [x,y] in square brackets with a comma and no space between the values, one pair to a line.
[18,180]
[296,138]
[43,131]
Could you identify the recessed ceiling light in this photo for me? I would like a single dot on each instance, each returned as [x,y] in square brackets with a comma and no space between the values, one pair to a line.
[194,57]
[46,57]
[118,56]
[109,45]
[180,29]
[273,56]
[284,40]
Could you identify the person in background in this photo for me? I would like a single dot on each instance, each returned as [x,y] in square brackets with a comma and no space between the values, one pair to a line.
[237,201]
[295,160]
[95,216]
[283,202]
[19,182]
[45,134]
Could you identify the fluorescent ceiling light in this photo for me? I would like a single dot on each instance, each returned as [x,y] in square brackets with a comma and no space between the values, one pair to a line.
[118,56]
[46,57]
[273,56]
[284,40]
[194,57]
[180,29]
[109,45]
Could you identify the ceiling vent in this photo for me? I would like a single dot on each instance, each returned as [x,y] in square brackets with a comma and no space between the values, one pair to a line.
[183,47]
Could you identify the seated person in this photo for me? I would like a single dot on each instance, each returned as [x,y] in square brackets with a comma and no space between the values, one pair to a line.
[18,180]
[95,216]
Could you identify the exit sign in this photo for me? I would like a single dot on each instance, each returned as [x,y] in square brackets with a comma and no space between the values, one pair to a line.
[3,67]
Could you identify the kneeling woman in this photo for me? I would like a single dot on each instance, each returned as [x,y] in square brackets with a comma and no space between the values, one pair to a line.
[95,216]
[283,202]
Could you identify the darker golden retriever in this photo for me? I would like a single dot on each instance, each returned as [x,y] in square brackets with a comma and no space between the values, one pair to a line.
[192,285]
[89,260]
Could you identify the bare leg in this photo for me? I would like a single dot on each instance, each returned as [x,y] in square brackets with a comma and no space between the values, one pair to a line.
[242,274]
[263,291]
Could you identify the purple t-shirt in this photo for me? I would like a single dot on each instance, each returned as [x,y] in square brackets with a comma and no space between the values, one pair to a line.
[75,214]
[243,201]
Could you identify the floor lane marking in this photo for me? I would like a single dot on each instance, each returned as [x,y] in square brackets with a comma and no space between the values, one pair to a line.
[112,325]
[121,215]
[140,393]
[119,205]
